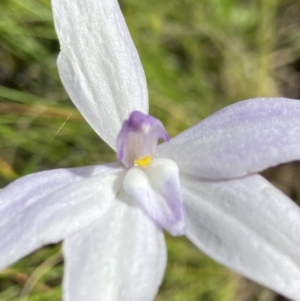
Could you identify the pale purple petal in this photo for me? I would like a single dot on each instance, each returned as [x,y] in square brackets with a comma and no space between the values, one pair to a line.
[249,226]
[241,139]
[98,64]
[138,137]
[48,206]
[120,257]
[158,192]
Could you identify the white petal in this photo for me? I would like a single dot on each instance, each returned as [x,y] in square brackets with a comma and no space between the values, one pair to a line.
[46,207]
[249,226]
[121,257]
[98,64]
[157,190]
[241,139]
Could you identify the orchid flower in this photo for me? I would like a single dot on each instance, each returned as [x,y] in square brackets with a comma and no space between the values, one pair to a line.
[203,183]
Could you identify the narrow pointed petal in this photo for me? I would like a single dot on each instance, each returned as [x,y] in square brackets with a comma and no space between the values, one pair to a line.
[241,139]
[48,206]
[121,256]
[98,64]
[157,190]
[249,226]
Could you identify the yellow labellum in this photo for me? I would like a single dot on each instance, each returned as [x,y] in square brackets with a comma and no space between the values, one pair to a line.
[143,162]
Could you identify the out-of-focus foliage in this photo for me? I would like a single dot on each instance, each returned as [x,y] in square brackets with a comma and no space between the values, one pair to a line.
[198,55]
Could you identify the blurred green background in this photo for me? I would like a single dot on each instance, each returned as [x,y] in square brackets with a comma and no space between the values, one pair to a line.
[198,55]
